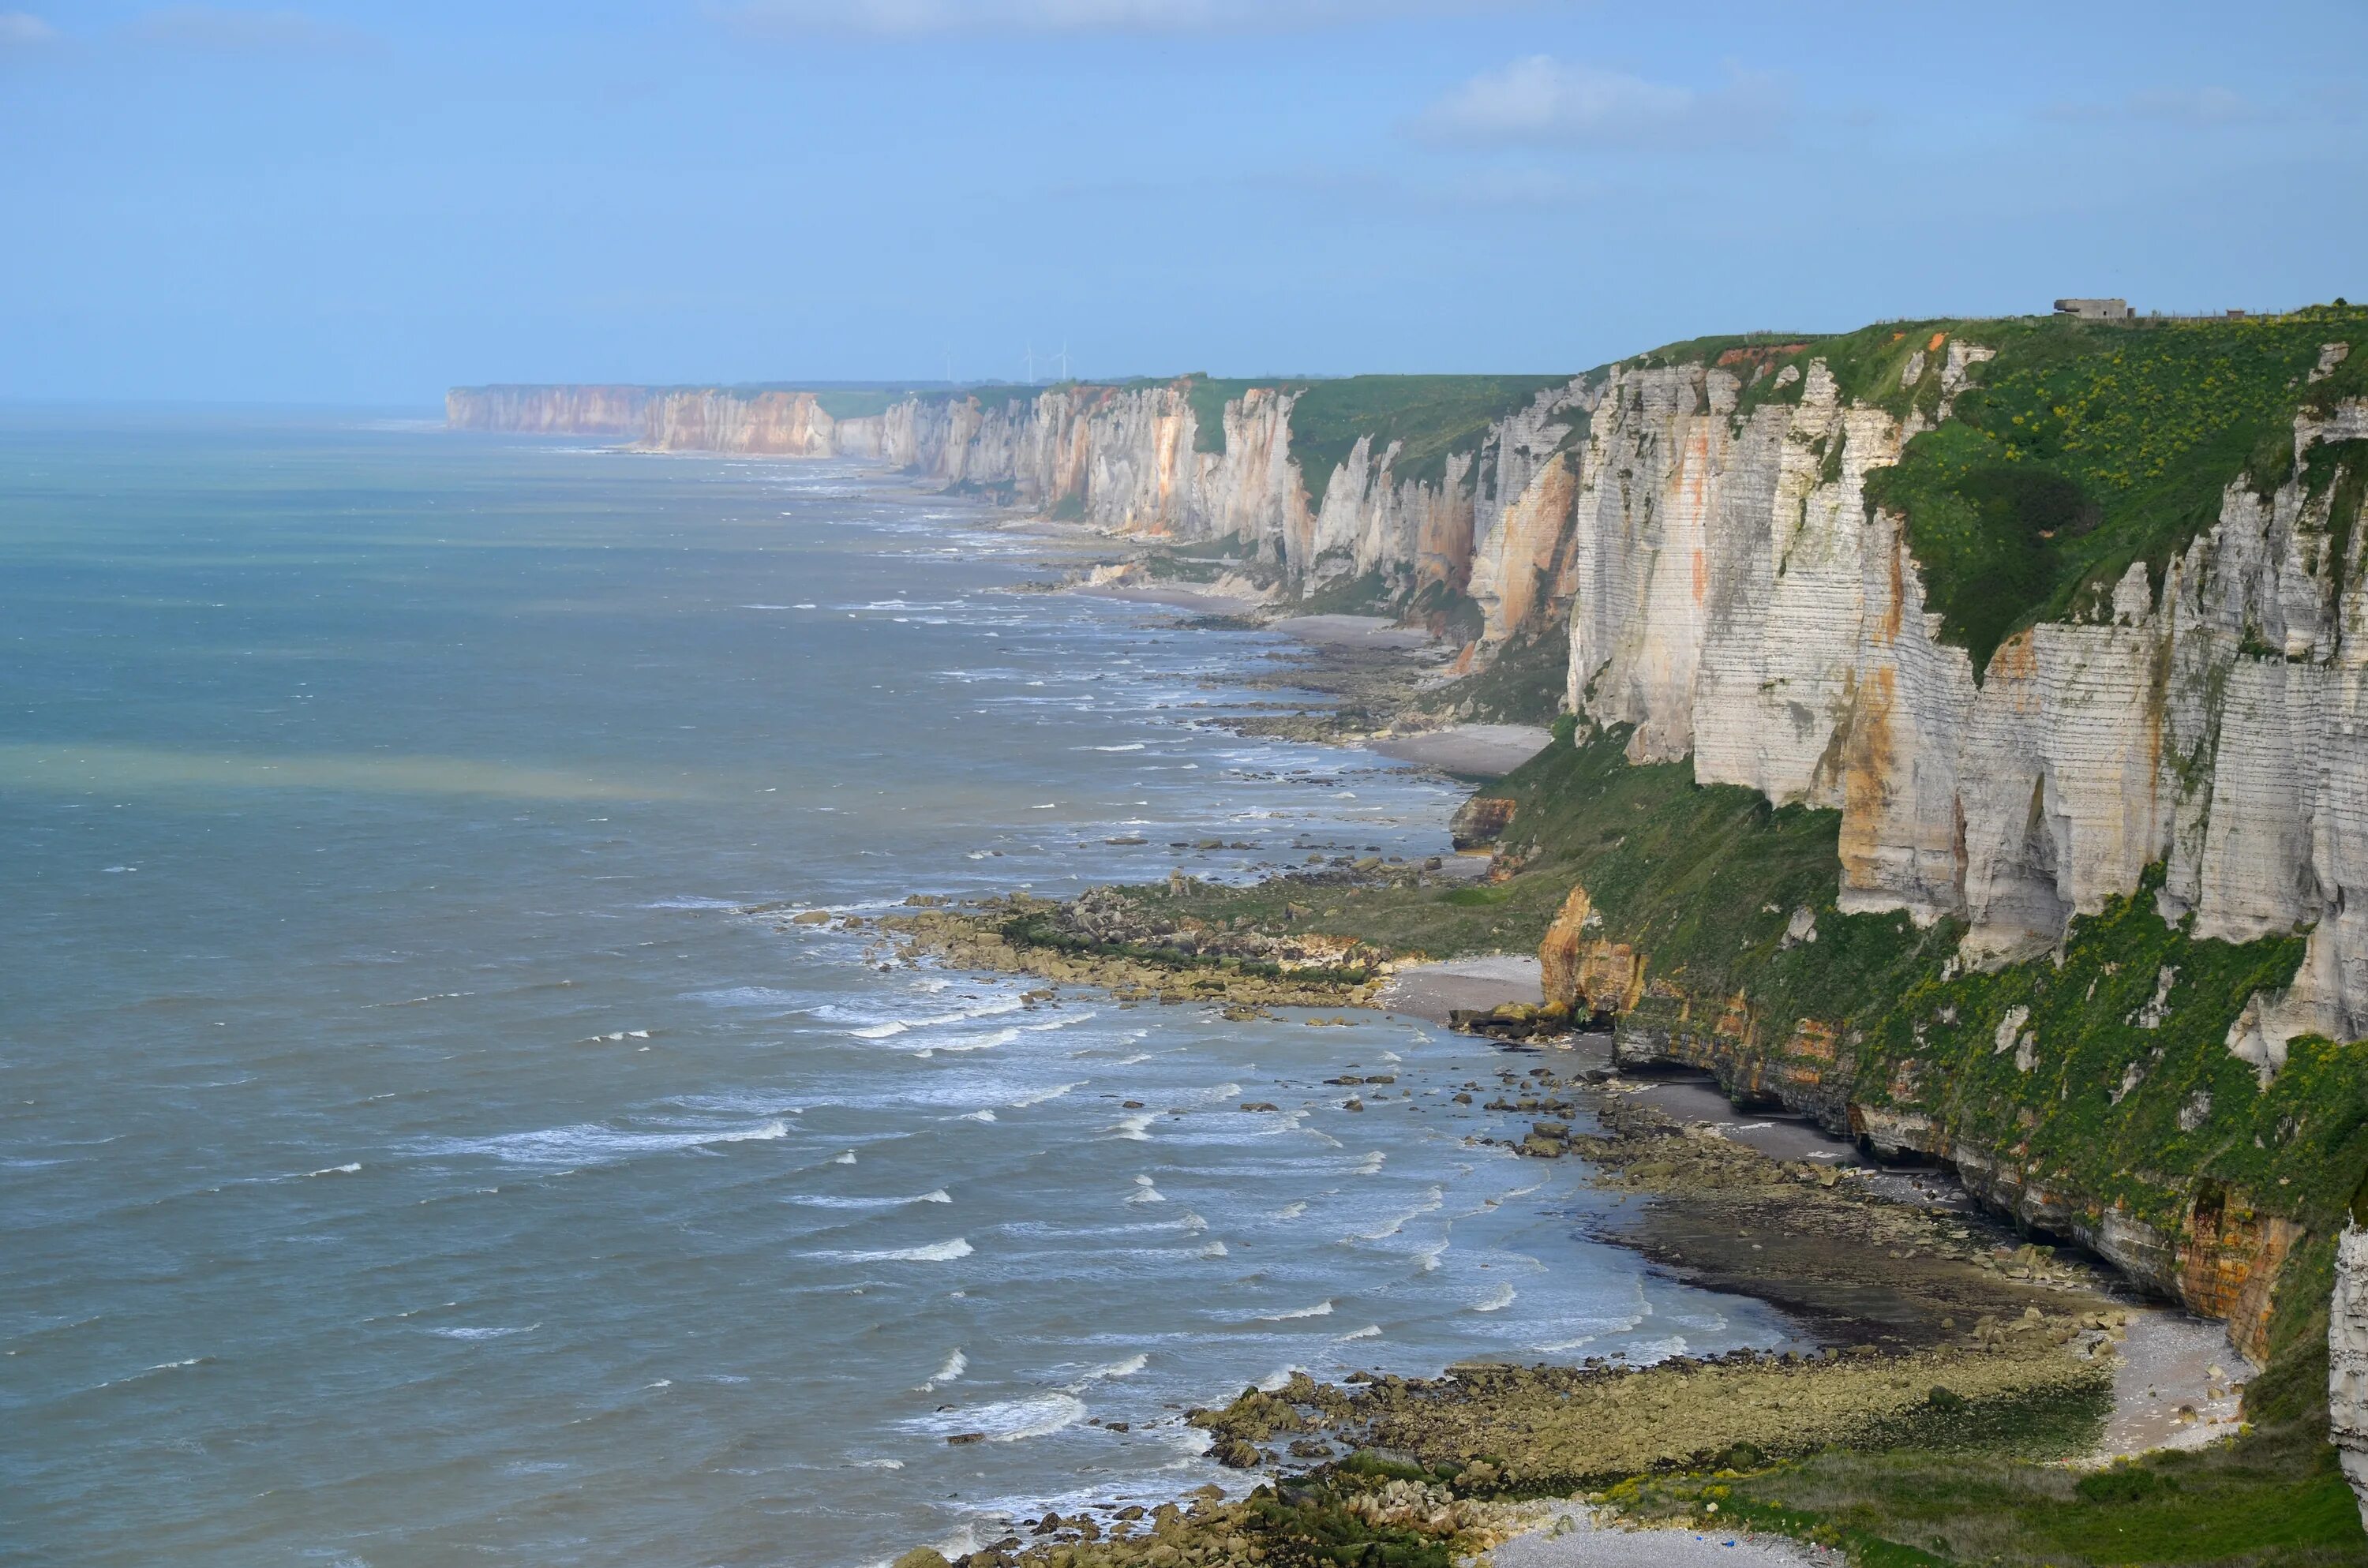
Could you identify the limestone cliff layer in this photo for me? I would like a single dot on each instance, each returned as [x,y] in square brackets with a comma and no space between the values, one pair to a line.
[1734,597]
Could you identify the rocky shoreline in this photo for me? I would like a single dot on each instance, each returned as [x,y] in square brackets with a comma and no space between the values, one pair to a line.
[1937,1329]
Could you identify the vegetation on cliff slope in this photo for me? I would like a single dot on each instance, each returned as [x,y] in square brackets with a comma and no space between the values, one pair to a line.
[2080,447]
[1432,417]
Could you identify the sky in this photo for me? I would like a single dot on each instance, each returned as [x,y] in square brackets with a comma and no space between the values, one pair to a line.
[364,202]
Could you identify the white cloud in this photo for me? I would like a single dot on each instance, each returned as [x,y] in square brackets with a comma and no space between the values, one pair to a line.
[22,29]
[235,31]
[1542,99]
[913,19]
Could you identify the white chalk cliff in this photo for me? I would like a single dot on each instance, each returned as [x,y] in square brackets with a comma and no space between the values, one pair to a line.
[1734,597]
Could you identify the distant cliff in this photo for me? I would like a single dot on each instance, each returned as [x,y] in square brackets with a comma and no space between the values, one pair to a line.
[1451,489]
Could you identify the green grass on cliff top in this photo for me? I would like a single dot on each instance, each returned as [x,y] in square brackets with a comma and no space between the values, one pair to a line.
[1433,417]
[2081,447]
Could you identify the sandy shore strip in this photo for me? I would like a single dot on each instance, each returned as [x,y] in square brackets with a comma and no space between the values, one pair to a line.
[1352,631]
[2179,1385]
[1474,751]
[1576,1535]
[1431,991]
[1175,598]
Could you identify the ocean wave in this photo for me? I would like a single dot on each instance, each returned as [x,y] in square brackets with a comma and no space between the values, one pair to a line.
[939,1251]
[1320,1309]
[1291,1211]
[338,1170]
[1011,1420]
[977,1116]
[1430,1205]
[1125,1369]
[159,1367]
[693,901]
[1371,1331]
[1040,1095]
[477,1334]
[748,996]
[1060,1023]
[590,1143]
[815,1201]
[1146,1192]
[955,1044]
[1370,1164]
[1136,1128]
[955,1366]
[1497,1303]
[1215,1249]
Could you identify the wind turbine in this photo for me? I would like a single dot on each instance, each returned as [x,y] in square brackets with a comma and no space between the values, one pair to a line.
[1031,364]
[1064,358]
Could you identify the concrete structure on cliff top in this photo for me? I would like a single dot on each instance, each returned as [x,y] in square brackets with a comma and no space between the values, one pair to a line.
[1730,594]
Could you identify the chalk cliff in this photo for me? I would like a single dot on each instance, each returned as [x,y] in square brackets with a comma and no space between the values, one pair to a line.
[1737,599]
[1135,462]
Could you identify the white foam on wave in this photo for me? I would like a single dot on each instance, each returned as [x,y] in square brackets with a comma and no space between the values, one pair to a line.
[1125,1369]
[845,1159]
[939,1251]
[1497,1303]
[1370,1164]
[1371,1331]
[477,1334]
[1136,1128]
[1040,1095]
[977,1116]
[1133,745]
[1060,1023]
[881,1031]
[1429,1205]
[338,1170]
[1011,1420]
[817,1200]
[959,1043]
[953,1366]
[1320,1309]
[1215,1249]
[1291,1211]
[589,1144]
[1278,1377]
[693,901]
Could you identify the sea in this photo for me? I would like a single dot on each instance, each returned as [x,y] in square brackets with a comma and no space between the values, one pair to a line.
[429,1139]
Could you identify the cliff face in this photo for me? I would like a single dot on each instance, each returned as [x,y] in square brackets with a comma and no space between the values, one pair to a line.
[1737,599]
[550,411]
[1130,461]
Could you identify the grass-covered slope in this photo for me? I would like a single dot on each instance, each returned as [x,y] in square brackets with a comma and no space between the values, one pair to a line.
[2080,447]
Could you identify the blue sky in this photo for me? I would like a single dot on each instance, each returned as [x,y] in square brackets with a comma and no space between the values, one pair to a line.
[363,202]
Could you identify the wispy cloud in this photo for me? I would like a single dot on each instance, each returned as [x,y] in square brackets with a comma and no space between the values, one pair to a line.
[22,29]
[921,18]
[1541,100]
[229,30]
[2202,108]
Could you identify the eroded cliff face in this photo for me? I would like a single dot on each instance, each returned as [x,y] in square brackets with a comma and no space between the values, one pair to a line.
[1131,461]
[1736,598]
[549,410]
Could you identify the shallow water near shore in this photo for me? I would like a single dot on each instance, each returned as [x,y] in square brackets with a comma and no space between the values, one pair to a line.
[426,1137]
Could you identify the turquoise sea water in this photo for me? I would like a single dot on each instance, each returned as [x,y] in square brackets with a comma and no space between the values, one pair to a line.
[424,1139]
